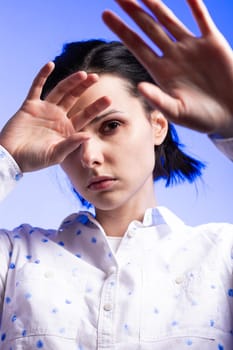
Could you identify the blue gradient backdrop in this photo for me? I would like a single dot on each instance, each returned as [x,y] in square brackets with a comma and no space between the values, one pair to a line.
[33,32]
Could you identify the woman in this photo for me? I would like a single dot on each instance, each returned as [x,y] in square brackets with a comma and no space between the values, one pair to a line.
[134,276]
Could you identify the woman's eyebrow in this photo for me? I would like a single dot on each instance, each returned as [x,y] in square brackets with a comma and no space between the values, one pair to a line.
[99,117]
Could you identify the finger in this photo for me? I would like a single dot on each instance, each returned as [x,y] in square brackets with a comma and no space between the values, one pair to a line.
[148,58]
[167,104]
[65,86]
[174,109]
[70,98]
[82,118]
[67,146]
[39,81]
[202,16]
[147,23]
[168,19]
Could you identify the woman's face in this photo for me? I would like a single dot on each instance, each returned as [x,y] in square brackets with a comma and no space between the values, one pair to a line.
[113,169]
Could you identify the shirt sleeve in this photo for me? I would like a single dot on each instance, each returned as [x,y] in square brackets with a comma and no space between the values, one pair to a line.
[10,173]
[224,145]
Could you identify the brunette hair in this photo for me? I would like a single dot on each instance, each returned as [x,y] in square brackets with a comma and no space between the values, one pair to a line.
[99,56]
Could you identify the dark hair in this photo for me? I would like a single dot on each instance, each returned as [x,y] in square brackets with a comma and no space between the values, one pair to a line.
[100,56]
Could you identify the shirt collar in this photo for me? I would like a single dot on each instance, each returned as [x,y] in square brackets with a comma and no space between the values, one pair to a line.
[153,217]
[161,216]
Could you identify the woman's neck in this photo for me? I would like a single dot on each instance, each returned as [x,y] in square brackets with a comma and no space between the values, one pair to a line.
[115,222]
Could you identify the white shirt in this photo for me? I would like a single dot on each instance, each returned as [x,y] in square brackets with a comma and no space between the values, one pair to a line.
[168,286]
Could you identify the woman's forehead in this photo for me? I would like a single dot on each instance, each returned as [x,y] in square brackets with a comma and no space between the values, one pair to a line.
[117,88]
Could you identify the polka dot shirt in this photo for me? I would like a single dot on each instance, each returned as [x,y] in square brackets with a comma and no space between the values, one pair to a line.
[167,286]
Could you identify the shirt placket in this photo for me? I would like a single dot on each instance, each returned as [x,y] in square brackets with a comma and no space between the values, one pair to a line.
[107,312]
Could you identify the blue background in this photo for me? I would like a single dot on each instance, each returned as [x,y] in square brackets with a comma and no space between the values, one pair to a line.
[33,32]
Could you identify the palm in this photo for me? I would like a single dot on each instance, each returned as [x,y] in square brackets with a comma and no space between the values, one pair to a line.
[192,95]
[38,128]
[43,133]
[193,74]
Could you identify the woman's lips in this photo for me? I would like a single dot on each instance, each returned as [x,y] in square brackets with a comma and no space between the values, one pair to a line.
[101,183]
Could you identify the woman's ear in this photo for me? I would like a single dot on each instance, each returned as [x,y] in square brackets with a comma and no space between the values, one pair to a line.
[160,127]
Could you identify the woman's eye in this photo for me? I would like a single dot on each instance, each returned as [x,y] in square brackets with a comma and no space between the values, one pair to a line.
[110,126]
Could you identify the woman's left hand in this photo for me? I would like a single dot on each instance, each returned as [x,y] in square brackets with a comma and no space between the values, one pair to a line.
[194,74]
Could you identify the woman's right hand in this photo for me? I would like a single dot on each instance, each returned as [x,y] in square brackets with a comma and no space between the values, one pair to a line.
[45,132]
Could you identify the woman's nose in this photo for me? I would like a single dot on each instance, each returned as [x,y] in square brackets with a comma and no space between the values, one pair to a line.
[91,153]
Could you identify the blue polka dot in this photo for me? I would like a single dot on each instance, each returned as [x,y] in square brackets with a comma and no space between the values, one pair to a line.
[28,257]
[93,240]
[37,261]
[17,236]
[68,301]
[230,292]
[66,222]
[24,333]
[18,176]
[39,344]
[78,255]
[12,266]
[174,323]
[3,336]
[44,240]
[31,231]
[189,342]
[78,232]
[8,300]
[2,154]
[28,295]
[10,254]
[13,318]
[211,323]
[61,243]
[220,347]
[83,219]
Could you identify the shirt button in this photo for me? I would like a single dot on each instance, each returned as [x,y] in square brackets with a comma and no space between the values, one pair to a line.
[108,307]
[75,272]
[48,274]
[179,279]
